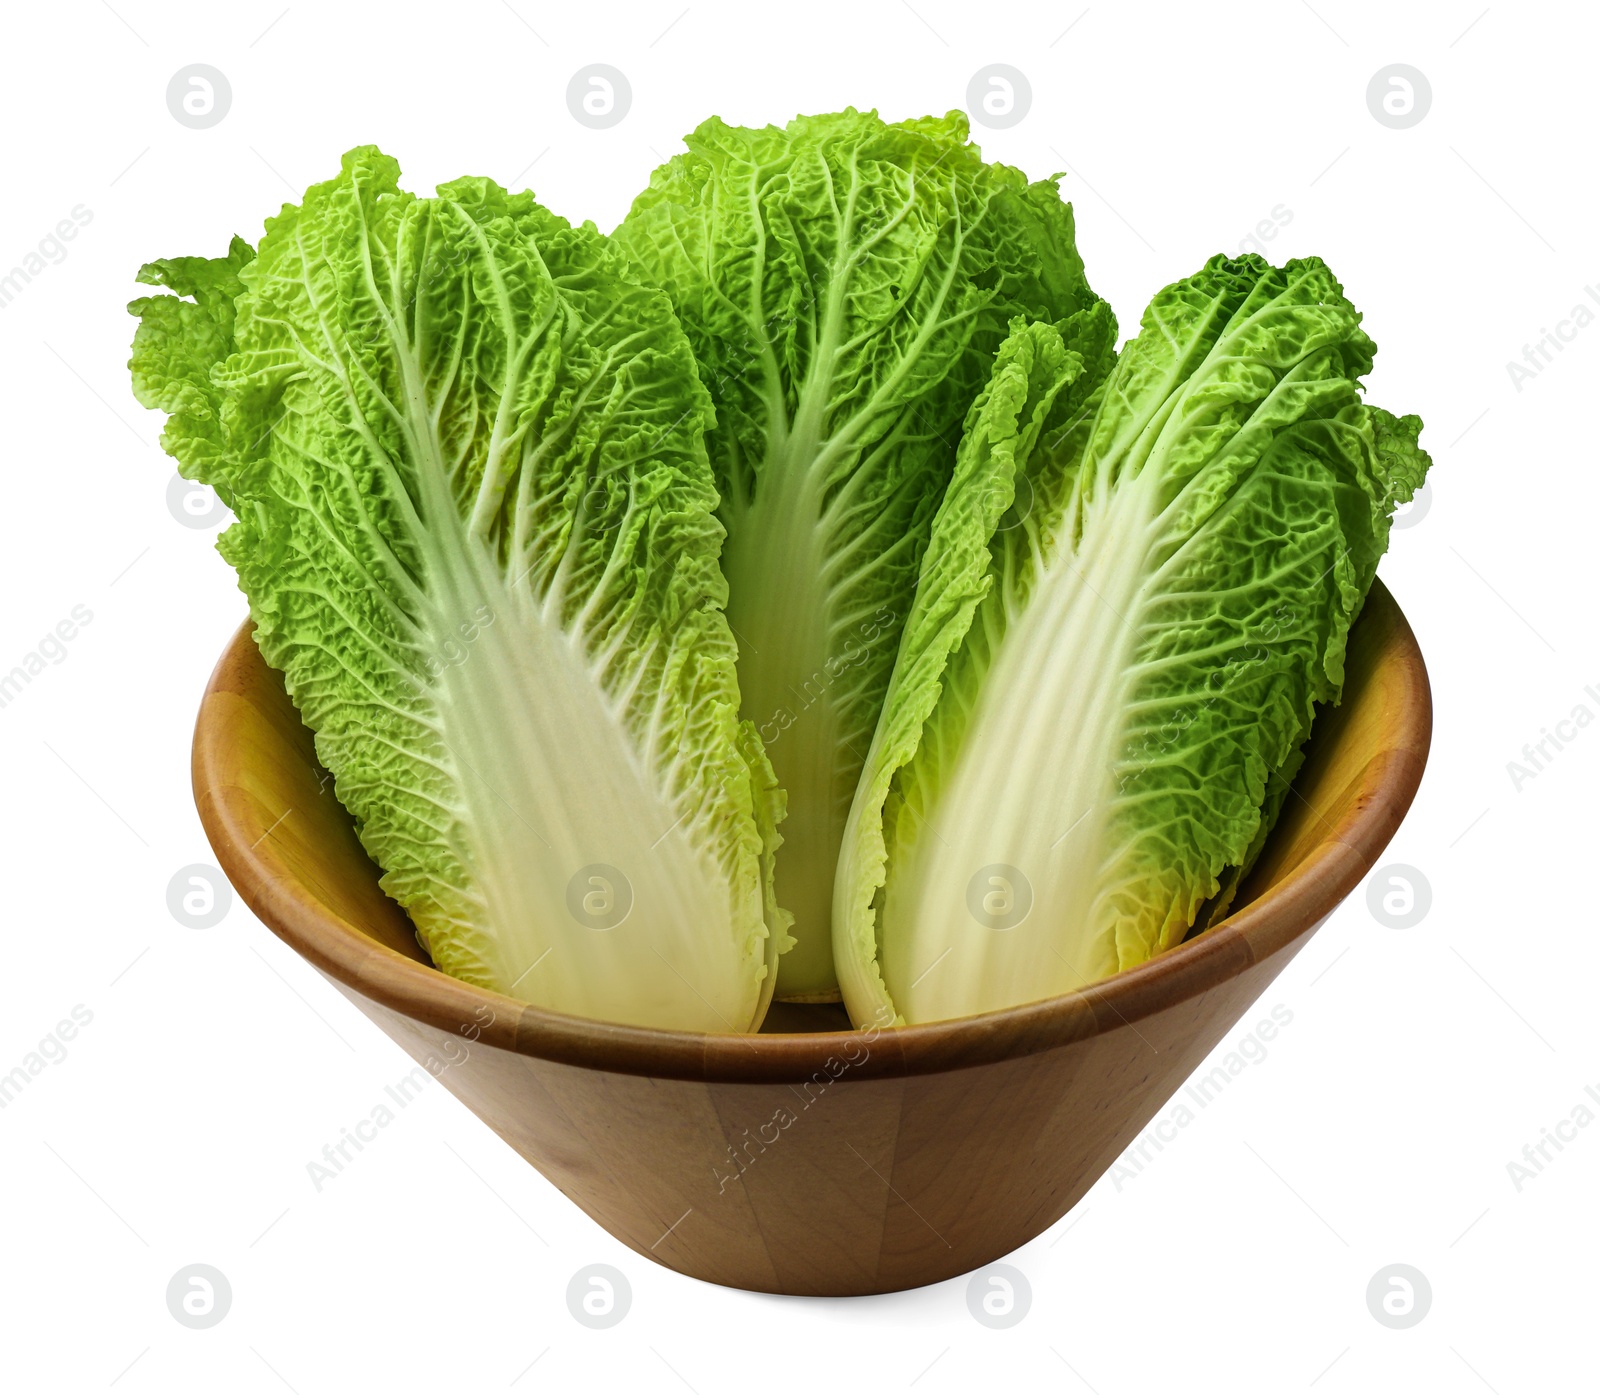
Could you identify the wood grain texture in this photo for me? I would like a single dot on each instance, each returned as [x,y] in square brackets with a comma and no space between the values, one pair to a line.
[812,1159]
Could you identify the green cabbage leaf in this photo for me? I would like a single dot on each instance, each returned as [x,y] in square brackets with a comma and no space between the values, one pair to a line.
[845,283]
[1134,599]
[463,443]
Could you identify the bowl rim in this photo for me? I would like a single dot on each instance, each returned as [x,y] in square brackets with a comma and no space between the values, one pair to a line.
[1279,917]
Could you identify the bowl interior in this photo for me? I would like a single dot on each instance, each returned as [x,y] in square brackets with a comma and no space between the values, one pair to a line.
[290,849]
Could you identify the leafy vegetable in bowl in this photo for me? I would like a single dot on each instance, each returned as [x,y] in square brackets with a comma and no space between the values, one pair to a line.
[1027,636]
[1130,608]
[463,443]
[845,284]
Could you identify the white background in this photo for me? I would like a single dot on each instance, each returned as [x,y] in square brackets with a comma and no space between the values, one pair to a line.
[1418,1063]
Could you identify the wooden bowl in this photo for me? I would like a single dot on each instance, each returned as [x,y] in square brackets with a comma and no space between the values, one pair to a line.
[809,1159]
